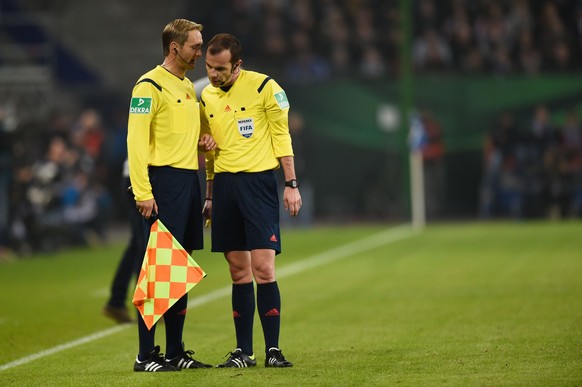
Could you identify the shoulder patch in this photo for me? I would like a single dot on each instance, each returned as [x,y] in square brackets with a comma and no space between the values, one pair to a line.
[282,99]
[140,105]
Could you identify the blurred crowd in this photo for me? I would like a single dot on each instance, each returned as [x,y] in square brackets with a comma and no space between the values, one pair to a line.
[308,40]
[60,178]
[498,37]
[533,169]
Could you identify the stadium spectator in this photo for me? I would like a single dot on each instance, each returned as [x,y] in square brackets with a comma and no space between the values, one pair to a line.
[275,44]
[337,38]
[538,138]
[563,170]
[433,153]
[572,148]
[560,60]
[340,61]
[555,182]
[5,177]
[306,65]
[88,134]
[431,52]
[372,64]
[41,215]
[84,211]
[458,31]
[528,57]
[501,188]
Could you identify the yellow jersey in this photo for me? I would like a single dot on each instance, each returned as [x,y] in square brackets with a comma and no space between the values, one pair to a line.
[163,127]
[249,123]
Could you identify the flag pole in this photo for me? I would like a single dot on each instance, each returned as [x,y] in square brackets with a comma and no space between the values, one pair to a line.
[417,141]
[417,189]
[415,171]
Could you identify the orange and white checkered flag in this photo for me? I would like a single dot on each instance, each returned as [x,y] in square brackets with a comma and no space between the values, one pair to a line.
[167,273]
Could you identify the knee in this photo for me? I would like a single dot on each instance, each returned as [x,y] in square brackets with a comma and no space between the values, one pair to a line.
[240,274]
[264,273]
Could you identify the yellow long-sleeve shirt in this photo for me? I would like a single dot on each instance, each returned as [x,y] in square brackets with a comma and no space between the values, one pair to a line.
[249,123]
[163,127]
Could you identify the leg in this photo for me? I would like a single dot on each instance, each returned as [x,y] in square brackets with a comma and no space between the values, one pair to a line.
[263,265]
[269,305]
[146,337]
[268,295]
[243,298]
[130,263]
[177,195]
[174,319]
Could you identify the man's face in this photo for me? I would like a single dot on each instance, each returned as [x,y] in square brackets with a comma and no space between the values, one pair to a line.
[219,68]
[191,50]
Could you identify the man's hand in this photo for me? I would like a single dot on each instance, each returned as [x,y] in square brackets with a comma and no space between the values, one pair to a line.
[147,207]
[206,143]
[292,200]
[207,212]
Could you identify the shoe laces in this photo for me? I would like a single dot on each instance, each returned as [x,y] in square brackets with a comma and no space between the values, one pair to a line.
[157,356]
[236,354]
[188,354]
[277,354]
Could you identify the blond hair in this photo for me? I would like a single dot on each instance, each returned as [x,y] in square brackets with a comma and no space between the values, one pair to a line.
[177,31]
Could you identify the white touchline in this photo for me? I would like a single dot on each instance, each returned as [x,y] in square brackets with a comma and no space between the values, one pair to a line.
[62,347]
[376,240]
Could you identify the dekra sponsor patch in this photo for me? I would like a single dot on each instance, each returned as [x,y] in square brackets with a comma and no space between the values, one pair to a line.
[140,105]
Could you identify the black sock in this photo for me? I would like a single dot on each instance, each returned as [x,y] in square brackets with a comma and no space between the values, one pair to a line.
[269,305]
[243,312]
[146,338]
[174,319]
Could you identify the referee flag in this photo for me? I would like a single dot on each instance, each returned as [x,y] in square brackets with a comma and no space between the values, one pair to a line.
[167,273]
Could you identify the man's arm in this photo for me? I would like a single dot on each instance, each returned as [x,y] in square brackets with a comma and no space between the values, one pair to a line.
[207,208]
[291,196]
[138,138]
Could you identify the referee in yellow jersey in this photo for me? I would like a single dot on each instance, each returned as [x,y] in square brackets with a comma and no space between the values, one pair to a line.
[162,143]
[246,113]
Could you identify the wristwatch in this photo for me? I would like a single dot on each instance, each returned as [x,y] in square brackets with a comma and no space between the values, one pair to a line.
[292,183]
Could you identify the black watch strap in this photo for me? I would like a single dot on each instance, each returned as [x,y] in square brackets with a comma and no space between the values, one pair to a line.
[292,183]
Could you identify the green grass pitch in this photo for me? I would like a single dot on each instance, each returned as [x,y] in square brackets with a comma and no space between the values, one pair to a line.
[491,304]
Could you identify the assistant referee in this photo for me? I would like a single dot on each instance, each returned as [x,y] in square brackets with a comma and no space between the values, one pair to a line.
[162,142]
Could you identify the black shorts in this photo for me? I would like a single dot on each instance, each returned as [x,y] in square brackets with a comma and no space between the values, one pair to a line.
[177,194]
[245,212]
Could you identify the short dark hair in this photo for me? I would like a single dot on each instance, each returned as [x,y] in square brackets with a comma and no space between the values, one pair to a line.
[223,42]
